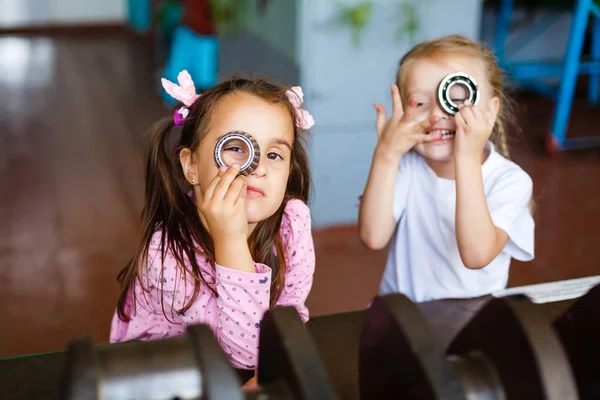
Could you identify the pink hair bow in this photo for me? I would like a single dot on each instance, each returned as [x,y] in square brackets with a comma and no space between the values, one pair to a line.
[303,118]
[185,93]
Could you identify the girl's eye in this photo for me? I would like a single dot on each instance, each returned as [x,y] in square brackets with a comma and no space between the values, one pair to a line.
[420,102]
[234,148]
[458,101]
[274,156]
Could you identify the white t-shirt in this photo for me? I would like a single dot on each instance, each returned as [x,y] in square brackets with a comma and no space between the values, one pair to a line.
[424,262]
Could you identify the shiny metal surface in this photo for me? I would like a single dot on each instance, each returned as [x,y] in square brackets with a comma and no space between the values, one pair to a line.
[162,370]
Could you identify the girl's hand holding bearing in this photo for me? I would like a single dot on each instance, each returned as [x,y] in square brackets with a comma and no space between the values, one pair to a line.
[224,205]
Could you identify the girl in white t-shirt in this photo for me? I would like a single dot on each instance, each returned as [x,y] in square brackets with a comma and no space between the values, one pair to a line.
[441,184]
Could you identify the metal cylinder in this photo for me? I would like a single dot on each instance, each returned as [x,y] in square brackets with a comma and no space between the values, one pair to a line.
[166,369]
[450,80]
[478,376]
[191,366]
[240,148]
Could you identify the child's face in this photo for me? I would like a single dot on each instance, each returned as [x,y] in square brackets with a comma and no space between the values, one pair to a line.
[421,83]
[272,127]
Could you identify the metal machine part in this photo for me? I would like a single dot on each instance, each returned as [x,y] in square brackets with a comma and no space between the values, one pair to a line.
[194,366]
[289,358]
[191,366]
[238,148]
[445,87]
[506,352]
[399,357]
[518,340]
[579,332]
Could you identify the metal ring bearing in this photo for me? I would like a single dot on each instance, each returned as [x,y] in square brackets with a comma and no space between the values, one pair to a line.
[446,84]
[254,157]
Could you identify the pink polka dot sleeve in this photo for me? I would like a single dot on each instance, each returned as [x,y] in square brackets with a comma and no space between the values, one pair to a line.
[235,314]
[243,299]
[300,257]
[148,321]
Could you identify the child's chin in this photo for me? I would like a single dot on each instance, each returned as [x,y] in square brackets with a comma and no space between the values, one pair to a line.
[437,152]
[257,214]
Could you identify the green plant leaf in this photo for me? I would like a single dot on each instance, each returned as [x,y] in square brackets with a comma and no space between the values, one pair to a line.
[356,19]
[230,16]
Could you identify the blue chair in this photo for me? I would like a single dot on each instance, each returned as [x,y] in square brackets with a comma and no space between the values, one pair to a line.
[572,66]
[195,53]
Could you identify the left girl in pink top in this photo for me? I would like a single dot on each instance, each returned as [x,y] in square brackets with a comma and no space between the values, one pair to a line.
[219,248]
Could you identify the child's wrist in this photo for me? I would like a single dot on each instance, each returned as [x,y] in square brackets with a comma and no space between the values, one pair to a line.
[230,243]
[383,155]
[467,160]
[234,253]
[467,168]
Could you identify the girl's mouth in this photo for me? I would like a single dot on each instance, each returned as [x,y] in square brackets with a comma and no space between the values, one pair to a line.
[445,133]
[253,191]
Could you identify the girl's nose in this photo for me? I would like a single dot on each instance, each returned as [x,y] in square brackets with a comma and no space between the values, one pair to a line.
[261,169]
[437,114]
[434,118]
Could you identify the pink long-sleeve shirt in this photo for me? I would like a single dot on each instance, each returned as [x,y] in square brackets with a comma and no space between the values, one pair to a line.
[243,297]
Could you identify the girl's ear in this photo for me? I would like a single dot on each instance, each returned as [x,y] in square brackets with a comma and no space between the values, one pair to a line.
[188,165]
[492,110]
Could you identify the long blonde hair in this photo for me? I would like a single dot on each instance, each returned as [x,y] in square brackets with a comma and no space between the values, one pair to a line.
[456,44]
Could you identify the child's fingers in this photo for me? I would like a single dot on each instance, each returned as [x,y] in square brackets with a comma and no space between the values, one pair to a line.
[425,137]
[460,123]
[397,109]
[424,126]
[223,185]
[241,198]
[234,190]
[466,112]
[410,113]
[208,194]
[381,118]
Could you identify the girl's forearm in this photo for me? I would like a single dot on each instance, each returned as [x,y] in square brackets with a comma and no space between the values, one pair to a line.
[235,255]
[376,217]
[479,240]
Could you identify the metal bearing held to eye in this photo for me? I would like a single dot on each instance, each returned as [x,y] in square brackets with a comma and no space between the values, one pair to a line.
[251,162]
[456,78]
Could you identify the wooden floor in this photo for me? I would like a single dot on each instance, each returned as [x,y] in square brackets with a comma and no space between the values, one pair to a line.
[73,117]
